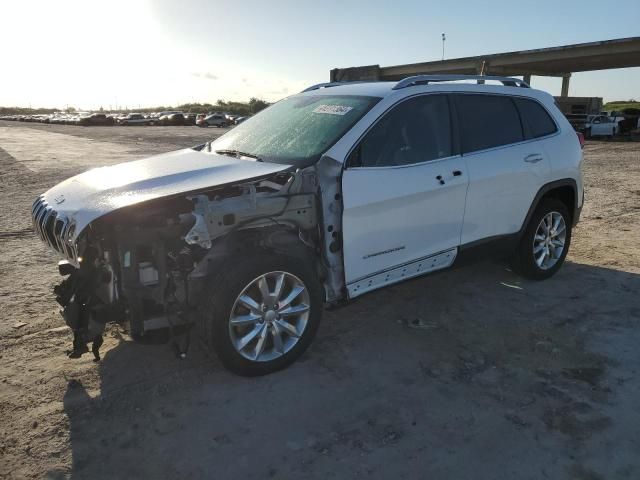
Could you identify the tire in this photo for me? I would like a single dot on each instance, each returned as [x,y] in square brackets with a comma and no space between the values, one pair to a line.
[525,261]
[587,133]
[221,301]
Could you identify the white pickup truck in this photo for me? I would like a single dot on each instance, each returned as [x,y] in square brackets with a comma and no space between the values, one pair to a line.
[601,126]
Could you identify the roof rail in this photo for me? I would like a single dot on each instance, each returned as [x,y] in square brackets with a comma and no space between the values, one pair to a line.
[427,79]
[318,86]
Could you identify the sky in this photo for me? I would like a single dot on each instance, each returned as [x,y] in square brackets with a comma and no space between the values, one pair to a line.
[139,53]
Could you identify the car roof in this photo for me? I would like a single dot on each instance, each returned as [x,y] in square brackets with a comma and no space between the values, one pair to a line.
[384,89]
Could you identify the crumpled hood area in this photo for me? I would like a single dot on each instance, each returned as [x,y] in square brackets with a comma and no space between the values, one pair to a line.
[94,193]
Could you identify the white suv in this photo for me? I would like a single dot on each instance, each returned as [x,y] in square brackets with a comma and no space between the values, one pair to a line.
[322,197]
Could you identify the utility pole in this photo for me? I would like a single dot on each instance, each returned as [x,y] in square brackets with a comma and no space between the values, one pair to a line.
[443,39]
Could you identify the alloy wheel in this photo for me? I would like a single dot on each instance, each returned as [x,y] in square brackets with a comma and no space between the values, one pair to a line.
[549,240]
[269,316]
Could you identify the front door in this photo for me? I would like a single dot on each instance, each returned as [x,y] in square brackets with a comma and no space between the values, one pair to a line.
[404,191]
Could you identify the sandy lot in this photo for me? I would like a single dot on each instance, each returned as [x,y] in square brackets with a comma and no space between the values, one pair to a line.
[507,378]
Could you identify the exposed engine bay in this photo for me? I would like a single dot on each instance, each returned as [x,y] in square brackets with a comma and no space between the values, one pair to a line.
[143,266]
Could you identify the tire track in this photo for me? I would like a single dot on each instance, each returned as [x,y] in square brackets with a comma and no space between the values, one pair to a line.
[11,170]
[25,232]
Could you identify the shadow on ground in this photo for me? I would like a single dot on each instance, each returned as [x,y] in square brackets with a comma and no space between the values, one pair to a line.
[471,373]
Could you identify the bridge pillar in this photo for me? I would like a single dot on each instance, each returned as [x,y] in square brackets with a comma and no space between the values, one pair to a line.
[565,85]
[527,78]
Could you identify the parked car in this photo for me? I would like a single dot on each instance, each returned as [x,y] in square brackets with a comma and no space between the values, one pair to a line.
[95,119]
[57,118]
[190,118]
[239,120]
[215,120]
[601,126]
[74,118]
[135,119]
[171,118]
[318,199]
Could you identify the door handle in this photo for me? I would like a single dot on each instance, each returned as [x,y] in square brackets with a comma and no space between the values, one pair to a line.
[456,173]
[533,158]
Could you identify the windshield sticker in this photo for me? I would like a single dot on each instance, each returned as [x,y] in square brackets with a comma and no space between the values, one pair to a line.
[332,109]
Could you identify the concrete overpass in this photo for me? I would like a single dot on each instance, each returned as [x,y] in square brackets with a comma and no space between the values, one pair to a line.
[546,62]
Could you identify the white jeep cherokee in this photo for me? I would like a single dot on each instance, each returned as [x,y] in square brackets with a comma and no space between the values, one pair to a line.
[324,196]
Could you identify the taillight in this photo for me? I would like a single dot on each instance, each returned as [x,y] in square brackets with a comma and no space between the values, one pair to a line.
[580,139]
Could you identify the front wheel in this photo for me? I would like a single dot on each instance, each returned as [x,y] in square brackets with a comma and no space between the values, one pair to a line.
[545,242]
[262,313]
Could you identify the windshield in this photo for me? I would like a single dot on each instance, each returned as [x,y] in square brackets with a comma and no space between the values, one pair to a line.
[296,130]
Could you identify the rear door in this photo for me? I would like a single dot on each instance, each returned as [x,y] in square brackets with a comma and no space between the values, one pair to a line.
[507,164]
[404,193]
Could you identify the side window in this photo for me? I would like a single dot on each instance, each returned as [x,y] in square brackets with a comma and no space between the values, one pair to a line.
[415,131]
[536,121]
[487,121]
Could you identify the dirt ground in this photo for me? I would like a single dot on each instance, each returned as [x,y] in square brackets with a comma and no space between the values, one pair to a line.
[506,378]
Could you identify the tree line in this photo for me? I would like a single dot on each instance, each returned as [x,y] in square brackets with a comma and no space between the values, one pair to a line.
[254,105]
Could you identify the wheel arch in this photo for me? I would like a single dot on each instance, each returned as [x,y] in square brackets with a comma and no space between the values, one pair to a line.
[280,239]
[565,190]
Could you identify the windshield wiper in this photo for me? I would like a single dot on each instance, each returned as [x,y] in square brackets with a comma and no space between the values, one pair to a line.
[238,154]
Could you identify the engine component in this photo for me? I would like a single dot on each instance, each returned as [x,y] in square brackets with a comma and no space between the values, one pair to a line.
[147,273]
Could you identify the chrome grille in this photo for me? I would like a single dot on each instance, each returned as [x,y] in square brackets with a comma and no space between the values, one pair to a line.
[53,229]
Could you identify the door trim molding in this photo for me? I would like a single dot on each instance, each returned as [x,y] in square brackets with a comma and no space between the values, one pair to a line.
[399,273]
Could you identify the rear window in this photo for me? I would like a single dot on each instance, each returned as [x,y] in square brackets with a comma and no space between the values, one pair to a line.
[487,121]
[535,119]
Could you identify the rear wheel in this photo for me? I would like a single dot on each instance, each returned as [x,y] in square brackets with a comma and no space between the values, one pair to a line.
[262,313]
[545,242]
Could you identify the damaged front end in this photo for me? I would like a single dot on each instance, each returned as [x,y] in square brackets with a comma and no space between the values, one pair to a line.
[132,267]
[144,265]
